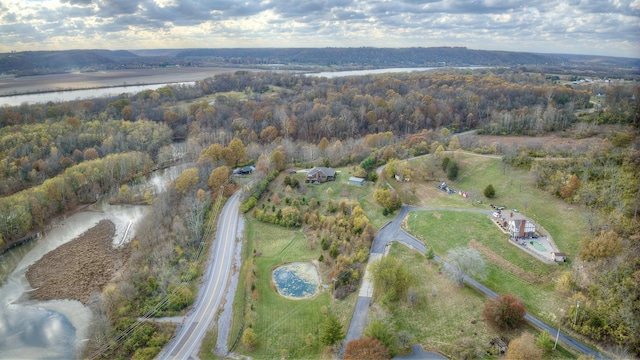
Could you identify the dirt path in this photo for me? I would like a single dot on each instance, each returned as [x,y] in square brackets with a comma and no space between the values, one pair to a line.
[79,267]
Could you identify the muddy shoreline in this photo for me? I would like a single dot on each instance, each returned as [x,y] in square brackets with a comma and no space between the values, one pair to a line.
[80,267]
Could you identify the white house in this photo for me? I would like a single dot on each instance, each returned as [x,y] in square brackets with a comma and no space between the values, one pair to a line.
[521,228]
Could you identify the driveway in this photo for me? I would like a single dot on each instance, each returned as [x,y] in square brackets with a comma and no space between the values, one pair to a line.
[392,231]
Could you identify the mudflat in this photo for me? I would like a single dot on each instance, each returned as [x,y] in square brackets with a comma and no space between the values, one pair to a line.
[11,85]
[79,267]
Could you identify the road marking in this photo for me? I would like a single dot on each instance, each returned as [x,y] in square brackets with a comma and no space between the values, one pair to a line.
[227,224]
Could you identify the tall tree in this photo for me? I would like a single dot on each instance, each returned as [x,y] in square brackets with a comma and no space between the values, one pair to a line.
[235,152]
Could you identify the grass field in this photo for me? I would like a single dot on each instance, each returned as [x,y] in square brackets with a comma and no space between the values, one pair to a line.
[446,312]
[282,323]
[515,189]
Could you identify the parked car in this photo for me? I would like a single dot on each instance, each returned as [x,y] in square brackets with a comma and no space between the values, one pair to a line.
[495,214]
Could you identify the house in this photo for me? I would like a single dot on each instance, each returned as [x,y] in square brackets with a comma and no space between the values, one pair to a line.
[321,174]
[356,181]
[560,257]
[521,228]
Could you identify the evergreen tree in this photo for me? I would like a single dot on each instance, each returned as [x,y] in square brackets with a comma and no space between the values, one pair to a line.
[489,191]
[332,331]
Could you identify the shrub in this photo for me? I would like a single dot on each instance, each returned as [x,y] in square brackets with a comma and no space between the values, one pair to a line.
[367,348]
[504,312]
[544,341]
[489,191]
[523,347]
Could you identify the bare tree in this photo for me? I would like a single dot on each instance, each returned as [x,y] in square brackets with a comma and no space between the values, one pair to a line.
[463,261]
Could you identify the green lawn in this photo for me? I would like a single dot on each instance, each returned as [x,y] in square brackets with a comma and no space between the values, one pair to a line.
[515,189]
[282,323]
[446,312]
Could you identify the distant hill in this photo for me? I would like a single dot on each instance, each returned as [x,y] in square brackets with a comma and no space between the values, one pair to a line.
[379,57]
[49,62]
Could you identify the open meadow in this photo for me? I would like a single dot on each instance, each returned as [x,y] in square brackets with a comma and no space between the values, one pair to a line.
[447,318]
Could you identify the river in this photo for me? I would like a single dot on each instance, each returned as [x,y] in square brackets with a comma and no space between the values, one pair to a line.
[335,74]
[82,94]
[71,95]
[58,329]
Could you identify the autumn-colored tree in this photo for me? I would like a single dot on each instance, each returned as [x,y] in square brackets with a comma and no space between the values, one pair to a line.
[573,183]
[215,152]
[523,347]
[367,348]
[218,177]
[504,312]
[235,152]
[187,180]
[454,144]
[323,145]
[249,338]
[170,117]
[269,134]
[605,245]
[277,160]
[91,154]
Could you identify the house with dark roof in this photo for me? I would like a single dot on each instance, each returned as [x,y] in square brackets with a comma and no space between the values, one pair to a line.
[521,228]
[321,174]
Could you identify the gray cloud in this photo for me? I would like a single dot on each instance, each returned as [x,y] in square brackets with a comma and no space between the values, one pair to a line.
[519,23]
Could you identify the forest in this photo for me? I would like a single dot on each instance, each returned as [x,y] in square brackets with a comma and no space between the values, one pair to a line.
[56,156]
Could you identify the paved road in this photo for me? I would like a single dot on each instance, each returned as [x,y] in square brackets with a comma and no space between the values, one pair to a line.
[186,343]
[393,232]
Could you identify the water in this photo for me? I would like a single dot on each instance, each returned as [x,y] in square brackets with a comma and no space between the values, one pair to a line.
[335,74]
[71,95]
[296,280]
[58,329]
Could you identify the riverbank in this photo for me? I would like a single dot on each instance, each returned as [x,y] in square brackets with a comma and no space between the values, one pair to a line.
[11,85]
[80,267]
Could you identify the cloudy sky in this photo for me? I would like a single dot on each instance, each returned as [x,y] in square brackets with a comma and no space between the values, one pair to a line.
[599,27]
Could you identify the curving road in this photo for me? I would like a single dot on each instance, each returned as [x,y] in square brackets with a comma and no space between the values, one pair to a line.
[186,343]
[393,231]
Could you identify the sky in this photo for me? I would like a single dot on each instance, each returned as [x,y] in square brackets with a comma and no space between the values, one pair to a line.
[593,27]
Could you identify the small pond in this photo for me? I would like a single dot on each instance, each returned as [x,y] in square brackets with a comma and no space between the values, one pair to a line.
[296,280]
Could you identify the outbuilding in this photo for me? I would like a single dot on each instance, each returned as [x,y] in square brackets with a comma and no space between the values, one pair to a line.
[356,181]
[560,257]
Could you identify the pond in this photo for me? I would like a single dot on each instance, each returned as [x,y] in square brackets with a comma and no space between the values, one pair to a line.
[296,280]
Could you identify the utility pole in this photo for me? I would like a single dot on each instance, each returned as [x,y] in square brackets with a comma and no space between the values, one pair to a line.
[575,321]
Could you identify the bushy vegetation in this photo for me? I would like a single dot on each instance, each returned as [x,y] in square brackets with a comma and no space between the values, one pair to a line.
[504,312]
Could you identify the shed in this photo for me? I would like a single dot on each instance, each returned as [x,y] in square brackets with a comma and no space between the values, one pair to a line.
[560,257]
[356,181]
